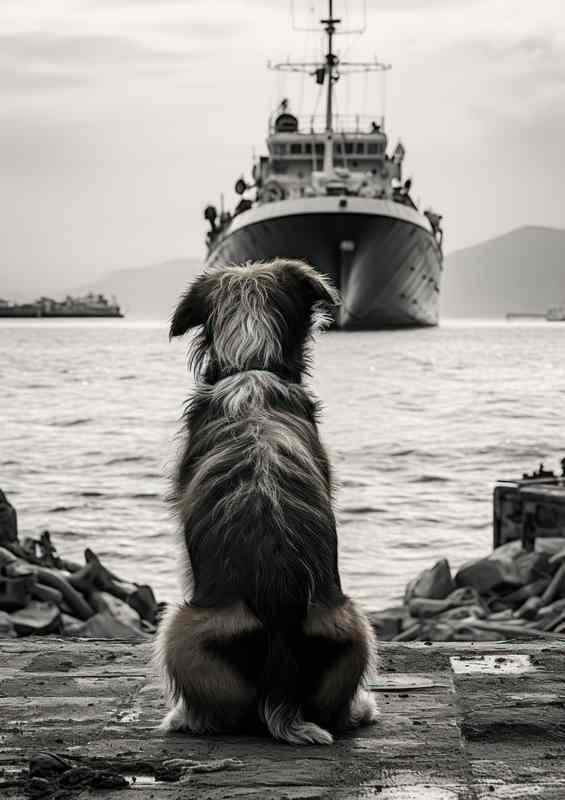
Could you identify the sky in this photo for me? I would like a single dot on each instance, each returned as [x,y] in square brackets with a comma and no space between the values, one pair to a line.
[121,119]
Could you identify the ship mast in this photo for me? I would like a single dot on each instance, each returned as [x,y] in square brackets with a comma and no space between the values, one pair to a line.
[328,70]
[331,62]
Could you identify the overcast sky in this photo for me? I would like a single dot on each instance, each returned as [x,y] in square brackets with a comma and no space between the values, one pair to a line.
[121,119]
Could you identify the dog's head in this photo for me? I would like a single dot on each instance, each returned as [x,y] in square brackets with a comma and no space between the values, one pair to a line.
[256,316]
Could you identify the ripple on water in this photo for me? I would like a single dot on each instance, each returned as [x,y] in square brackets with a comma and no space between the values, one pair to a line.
[420,424]
[71,423]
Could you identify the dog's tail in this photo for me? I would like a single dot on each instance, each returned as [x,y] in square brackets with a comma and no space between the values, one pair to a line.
[279,707]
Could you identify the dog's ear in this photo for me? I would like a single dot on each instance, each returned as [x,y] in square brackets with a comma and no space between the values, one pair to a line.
[313,284]
[193,308]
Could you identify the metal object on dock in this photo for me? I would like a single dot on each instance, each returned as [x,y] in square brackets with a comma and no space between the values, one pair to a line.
[529,508]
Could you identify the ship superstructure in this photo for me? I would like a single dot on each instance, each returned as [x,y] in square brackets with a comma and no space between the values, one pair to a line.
[329,191]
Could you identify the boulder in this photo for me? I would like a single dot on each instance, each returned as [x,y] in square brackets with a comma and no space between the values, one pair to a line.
[531,565]
[104,601]
[143,601]
[485,574]
[15,591]
[8,520]
[40,591]
[533,589]
[105,626]
[550,545]
[36,618]
[58,580]
[556,589]
[530,609]
[434,583]
[389,622]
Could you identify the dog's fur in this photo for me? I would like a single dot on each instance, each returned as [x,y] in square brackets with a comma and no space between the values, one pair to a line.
[267,637]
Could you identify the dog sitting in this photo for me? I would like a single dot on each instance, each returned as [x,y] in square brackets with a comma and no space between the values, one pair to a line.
[267,637]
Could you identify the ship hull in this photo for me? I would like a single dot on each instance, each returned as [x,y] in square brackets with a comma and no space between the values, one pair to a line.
[382,256]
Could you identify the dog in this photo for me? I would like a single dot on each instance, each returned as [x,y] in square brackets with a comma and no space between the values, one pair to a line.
[266,638]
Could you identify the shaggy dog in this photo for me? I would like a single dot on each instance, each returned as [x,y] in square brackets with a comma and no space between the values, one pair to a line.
[267,637]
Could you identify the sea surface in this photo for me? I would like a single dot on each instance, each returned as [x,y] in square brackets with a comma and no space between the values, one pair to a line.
[419,424]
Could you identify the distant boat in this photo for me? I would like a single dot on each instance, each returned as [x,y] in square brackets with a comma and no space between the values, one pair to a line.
[555,314]
[89,305]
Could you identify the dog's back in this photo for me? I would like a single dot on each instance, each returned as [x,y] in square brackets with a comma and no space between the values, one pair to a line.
[254,489]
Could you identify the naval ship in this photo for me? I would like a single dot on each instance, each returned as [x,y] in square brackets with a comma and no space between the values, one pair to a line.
[329,192]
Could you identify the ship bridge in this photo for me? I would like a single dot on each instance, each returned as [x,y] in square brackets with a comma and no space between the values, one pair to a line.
[296,160]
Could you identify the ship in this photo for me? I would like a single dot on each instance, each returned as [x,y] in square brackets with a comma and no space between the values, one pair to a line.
[89,305]
[330,193]
[555,314]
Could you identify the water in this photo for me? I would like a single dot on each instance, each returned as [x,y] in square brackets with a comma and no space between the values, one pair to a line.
[419,424]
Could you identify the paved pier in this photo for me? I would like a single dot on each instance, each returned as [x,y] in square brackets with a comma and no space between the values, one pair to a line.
[459,722]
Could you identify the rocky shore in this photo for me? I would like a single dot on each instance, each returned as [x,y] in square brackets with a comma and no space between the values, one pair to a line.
[516,592]
[510,594]
[43,593]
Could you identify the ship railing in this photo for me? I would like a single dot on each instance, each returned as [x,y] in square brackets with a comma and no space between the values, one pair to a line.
[342,124]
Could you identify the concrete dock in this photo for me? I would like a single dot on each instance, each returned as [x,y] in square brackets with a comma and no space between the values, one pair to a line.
[459,722]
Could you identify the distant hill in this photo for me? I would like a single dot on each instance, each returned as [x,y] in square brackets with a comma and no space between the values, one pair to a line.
[148,292]
[520,272]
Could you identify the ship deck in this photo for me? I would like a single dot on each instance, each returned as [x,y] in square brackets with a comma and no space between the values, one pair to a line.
[459,722]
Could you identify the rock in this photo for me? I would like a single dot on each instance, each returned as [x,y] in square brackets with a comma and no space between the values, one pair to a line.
[18,568]
[426,607]
[15,591]
[556,589]
[6,556]
[94,576]
[558,557]
[8,520]
[556,624]
[507,613]
[465,596]
[104,601]
[36,618]
[531,565]
[104,626]
[530,609]
[485,574]
[552,608]
[143,601]
[435,583]
[550,545]
[75,601]
[524,592]
[388,622]
[47,765]
[47,593]
[7,630]
[463,612]
[408,635]
[469,632]
[70,625]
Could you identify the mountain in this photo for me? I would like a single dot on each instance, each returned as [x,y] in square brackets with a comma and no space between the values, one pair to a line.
[520,272]
[147,292]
